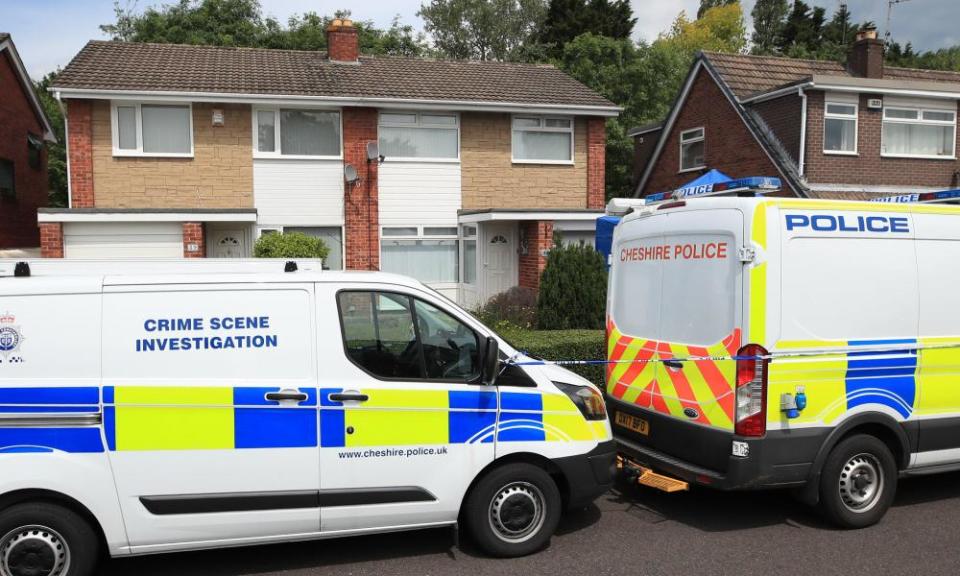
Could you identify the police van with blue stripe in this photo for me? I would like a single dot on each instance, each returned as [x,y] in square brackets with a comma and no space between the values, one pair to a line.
[164,406]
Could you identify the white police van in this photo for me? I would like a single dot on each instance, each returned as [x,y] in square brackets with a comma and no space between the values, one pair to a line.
[787,343]
[182,405]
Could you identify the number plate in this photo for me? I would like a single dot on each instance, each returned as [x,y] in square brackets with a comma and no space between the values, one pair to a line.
[630,422]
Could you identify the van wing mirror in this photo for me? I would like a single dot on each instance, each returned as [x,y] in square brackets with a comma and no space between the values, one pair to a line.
[490,368]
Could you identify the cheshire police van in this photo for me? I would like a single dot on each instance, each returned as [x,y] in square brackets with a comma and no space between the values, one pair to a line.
[777,343]
[157,407]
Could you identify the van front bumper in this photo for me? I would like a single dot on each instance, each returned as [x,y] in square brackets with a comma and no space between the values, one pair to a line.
[589,475]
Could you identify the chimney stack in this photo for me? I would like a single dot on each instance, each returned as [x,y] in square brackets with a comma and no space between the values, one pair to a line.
[343,44]
[866,55]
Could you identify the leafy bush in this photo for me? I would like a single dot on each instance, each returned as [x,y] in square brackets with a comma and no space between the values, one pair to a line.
[561,345]
[293,245]
[518,306]
[573,289]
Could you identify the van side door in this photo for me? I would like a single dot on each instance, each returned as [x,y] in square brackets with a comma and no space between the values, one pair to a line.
[405,423]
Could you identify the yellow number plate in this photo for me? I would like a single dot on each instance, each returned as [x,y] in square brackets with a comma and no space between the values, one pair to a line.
[632,423]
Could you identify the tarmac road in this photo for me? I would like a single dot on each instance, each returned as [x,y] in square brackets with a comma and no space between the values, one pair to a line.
[635,530]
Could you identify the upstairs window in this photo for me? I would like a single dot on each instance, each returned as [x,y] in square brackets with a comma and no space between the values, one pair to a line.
[919,133]
[840,128]
[34,151]
[692,146]
[296,132]
[426,136]
[542,140]
[152,130]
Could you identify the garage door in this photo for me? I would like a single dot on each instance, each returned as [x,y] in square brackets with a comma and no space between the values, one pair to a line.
[123,240]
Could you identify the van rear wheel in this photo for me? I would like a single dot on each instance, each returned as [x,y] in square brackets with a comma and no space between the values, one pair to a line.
[858,482]
[513,510]
[41,539]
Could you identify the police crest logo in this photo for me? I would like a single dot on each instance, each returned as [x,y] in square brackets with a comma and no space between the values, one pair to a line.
[10,339]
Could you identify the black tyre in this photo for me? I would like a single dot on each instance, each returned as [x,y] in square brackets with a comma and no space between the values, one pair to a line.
[513,510]
[41,539]
[858,482]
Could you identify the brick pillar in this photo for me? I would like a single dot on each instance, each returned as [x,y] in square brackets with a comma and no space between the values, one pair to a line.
[194,237]
[539,239]
[51,240]
[361,206]
[80,148]
[596,163]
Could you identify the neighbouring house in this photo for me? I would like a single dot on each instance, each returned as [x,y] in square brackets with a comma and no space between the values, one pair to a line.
[24,131]
[826,130]
[457,173]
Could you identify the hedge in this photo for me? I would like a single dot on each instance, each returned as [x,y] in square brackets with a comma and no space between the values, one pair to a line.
[290,245]
[562,345]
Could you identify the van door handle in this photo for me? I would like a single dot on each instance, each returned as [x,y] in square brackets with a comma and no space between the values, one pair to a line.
[675,364]
[348,396]
[285,395]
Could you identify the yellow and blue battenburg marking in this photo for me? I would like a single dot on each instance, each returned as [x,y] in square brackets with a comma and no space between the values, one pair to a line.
[44,401]
[887,378]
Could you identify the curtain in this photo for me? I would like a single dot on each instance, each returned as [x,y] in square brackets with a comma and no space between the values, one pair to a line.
[917,139]
[425,260]
[839,135]
[166,129]
[412,142]
[309,133]
[266,131]
[127,127]
[470,261]
[530,145]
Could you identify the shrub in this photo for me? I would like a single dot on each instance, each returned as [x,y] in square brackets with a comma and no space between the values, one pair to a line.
[293,245]
[562,345]
[518,306]
[573,289]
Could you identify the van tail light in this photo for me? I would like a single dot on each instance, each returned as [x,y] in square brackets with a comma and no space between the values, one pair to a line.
[751,391]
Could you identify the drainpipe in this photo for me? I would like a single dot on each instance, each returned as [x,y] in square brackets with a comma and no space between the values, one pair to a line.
[803,129]
[66,146]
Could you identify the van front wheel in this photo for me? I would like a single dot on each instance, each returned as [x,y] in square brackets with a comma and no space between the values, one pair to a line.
[40,539]
[858,482]
[513,510]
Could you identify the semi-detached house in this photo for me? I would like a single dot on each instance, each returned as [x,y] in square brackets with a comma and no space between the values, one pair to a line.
[457,173]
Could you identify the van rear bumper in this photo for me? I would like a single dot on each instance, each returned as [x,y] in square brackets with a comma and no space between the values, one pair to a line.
[780,459]
[589,475]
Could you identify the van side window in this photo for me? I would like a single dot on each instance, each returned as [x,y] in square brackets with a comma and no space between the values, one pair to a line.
[394,336]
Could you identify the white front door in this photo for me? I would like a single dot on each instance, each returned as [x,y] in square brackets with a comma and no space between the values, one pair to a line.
[228,244]
[499,258]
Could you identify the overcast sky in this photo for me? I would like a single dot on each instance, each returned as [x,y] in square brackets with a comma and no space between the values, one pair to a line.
[48,33]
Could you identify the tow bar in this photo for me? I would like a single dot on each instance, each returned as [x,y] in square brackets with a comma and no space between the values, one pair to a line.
[647,477]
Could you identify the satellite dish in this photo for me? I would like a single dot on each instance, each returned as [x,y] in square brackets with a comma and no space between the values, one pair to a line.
[350,174]
[373,151]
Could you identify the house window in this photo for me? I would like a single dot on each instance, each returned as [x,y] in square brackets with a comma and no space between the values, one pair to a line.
[332,236]
[542,140]
[919,133]
[34,151]
[152,130]
[426,136]
[7,179]
[296,132]
[840,128]
[468,243]
[427,253]
[692,144]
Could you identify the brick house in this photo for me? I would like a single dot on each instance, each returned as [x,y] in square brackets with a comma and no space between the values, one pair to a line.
[454,172]
[24,131]
[827,131]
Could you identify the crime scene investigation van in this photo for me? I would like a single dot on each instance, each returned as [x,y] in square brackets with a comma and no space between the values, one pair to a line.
[768,343]
[166,406]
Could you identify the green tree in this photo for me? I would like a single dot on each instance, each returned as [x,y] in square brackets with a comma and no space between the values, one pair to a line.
[768,21]
[292,245]
[803,30]
[708,4]
[567,19]
[56,151]
[573,289]
[502,30]
[720,29]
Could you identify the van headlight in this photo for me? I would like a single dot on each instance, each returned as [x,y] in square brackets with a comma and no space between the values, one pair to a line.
[587,400]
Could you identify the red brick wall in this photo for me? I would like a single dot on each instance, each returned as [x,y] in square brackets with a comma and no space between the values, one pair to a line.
[193,233]
[729,147]
[361,209]
[18,215]
[80,149]
[539,238]
[643,146]
[343,44]
[784,116]
[868,167]
[51,240]
[596,162]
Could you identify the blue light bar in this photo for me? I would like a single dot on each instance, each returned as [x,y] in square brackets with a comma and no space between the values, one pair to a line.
[942,196]
[758,184]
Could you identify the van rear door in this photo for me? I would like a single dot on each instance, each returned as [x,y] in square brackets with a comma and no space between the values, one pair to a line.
[688,408]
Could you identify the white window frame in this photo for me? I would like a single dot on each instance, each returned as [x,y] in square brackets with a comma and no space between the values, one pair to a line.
[255,136]
[856,126]
[421,236]
[138,152]
[419,124]
[464,238]
[279,230]
[701,138]
[543,128]
[919,120]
